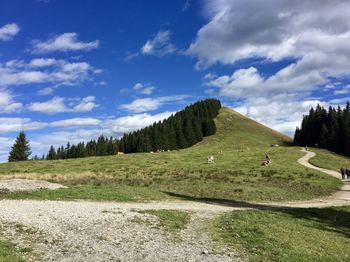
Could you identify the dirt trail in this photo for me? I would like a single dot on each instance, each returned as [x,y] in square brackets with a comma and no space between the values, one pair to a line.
[100,231]
[340,198]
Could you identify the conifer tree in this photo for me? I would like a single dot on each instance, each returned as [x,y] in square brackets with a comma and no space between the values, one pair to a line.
[20,151]
[52,155]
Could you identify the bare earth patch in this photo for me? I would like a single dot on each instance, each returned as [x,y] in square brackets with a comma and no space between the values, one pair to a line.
[16,185]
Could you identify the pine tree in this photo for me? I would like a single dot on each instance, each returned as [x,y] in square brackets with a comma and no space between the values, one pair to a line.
[20,150]
[52,154]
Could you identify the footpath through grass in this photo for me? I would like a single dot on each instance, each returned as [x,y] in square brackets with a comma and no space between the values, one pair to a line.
[287,235]
[239,146]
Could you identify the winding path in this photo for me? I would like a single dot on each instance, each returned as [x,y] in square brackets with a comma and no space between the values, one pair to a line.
[340,198]
[105,231]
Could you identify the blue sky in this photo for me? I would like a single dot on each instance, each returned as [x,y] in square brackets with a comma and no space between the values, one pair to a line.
[72,70]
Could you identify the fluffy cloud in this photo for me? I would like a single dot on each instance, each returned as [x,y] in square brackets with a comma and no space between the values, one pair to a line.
[314,35]
[46,91]
[127,124]
[7,104]
[58,105]
[138,88]
[269,29]
[73,122]
[65,42]
[150,104]
[8,31]
[160,45]
[143,89]
[15,124]
[45,70]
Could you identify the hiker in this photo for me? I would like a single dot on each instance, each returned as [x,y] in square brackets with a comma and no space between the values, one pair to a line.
[306,148]
[342,171]
[347,173]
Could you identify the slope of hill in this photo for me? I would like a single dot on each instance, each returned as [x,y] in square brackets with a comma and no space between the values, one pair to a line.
[239,146]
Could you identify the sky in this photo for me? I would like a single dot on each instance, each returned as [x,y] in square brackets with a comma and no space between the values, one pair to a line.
[73,70]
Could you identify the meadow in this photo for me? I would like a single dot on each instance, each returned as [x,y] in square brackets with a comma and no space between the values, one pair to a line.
[295,234]
[239,146]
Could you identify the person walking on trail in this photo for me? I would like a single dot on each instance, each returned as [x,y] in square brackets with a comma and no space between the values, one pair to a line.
[347,173]
[342,171]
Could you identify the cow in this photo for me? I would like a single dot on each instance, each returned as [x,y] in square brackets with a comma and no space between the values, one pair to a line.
[210,159]
[266,162]
[120,153]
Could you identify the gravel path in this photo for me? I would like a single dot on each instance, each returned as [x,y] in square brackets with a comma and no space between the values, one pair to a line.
[86,231]
[99,231]
[13,185]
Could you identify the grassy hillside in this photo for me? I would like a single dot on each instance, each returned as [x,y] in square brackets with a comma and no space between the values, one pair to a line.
[330,160]
[236,175]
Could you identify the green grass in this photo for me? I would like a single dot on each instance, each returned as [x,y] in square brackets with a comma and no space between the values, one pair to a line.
[98,193]
[330,160]
[236,174]
[287,235]
[172,221]
[8,252]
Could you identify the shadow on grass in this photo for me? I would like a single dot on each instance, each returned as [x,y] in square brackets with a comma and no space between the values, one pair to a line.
[332,219]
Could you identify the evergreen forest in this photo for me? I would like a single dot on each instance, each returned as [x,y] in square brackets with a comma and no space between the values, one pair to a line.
[326,129]
[181,130]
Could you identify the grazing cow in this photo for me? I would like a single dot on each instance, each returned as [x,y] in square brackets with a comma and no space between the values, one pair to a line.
[210,159]
[152,152]
[264,163]
[120,153]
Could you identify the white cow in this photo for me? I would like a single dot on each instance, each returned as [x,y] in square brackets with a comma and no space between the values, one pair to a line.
[210,159]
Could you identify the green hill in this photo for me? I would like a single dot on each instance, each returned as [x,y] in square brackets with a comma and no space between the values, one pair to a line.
[238,146]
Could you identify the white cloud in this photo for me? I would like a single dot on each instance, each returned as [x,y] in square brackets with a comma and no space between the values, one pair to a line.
[58,105]
[46,91]
[42,62]
[85,105]
[130,56]
[150,104]
[127,124]
[143,89]
[314,34]
[65,42]
[160,45]
[283,112]
[73,122]
[7,103]
[272,30]
[45,70]
[6,144]
[16,124]
[8,31]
